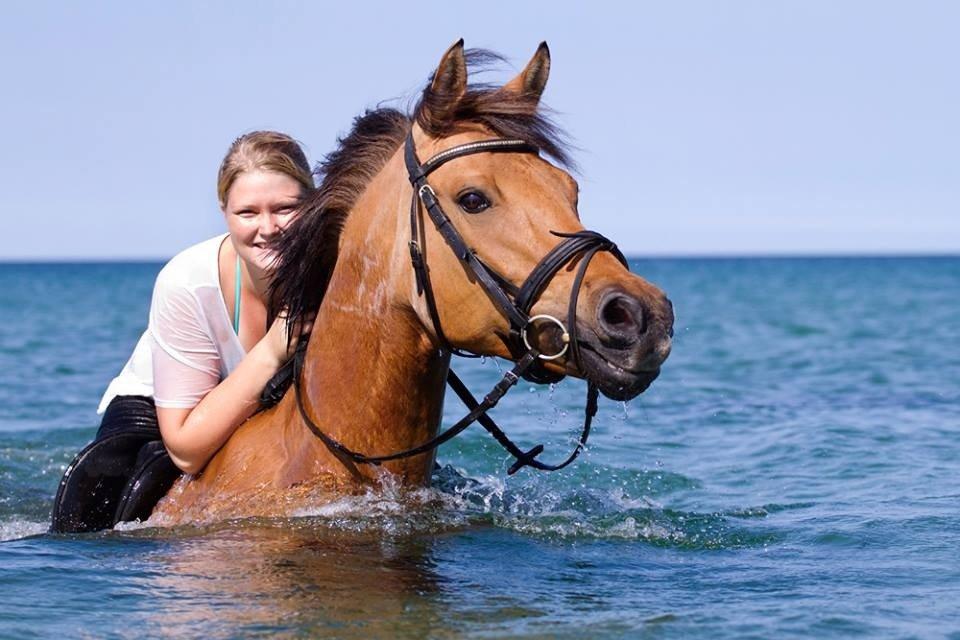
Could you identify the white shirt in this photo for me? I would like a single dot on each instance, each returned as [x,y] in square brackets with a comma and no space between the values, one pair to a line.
[189,345]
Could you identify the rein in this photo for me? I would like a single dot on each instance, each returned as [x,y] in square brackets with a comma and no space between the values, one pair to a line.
[513,302]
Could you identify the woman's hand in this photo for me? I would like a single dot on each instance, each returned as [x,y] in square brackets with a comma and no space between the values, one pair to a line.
[275,340]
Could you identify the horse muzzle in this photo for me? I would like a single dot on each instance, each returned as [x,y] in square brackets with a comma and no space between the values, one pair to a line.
[622,347]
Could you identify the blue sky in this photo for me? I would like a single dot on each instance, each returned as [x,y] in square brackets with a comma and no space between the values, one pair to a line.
[702,127]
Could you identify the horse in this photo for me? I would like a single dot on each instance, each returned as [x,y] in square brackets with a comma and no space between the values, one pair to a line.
[392,302]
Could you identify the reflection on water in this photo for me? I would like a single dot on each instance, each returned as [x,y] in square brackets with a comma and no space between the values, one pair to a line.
[294,576]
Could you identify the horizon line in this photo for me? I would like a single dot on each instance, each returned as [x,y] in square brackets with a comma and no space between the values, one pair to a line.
[733,255]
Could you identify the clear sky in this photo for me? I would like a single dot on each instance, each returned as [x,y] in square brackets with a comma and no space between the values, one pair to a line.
[702,127]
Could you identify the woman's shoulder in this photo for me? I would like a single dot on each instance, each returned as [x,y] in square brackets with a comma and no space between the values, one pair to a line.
[195,266]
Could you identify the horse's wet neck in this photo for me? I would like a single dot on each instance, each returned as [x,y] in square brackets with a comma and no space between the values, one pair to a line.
[373,378]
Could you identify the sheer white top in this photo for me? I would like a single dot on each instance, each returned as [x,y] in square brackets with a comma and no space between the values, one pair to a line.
[189,345]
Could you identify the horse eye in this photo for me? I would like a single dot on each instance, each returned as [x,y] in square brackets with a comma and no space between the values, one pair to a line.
[473,202]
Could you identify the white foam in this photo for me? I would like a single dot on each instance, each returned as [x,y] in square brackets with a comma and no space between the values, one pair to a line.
[21,529]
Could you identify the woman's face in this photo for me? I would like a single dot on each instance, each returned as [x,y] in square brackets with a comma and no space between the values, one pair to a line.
[259,205]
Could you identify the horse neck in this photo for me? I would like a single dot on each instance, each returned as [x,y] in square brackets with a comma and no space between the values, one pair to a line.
[374,379]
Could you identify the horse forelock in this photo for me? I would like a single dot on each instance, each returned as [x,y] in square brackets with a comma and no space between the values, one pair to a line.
[307,250]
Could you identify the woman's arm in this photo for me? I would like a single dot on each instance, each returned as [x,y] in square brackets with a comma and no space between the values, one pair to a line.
[193,435]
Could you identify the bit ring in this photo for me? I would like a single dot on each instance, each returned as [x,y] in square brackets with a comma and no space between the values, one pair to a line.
[565,337]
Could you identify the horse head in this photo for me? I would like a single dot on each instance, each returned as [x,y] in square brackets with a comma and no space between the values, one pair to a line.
[511,210]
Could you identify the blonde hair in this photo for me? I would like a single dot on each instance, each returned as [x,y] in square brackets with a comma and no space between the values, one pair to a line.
[267,151]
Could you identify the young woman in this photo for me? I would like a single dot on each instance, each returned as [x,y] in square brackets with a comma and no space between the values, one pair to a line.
[198,370]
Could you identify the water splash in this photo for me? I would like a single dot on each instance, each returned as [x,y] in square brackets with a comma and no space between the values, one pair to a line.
[587,512]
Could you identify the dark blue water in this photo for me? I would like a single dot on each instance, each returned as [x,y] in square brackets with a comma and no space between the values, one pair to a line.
[795,472]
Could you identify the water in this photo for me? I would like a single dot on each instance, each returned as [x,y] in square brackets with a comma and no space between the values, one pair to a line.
[793,473]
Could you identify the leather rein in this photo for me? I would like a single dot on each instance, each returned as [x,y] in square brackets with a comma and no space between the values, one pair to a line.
[513,302]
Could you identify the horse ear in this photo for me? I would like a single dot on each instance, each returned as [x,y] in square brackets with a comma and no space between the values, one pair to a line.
[450,78]
[533,78]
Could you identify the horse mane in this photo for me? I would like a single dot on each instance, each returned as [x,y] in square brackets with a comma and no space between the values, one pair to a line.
[307,251]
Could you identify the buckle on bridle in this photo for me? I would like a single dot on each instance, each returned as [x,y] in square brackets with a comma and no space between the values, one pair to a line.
[426,187]
[565,337]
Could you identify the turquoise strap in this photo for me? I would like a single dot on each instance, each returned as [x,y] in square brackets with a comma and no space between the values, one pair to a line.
[236,301]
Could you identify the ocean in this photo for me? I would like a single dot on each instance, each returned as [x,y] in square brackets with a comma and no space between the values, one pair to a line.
[793,473]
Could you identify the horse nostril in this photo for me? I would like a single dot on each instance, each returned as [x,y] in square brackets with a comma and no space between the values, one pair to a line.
[622,318]
[614,313]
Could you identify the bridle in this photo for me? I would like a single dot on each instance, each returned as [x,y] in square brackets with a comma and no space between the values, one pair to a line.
[513,302]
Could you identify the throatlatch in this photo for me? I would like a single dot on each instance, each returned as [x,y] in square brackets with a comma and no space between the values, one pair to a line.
[514,302]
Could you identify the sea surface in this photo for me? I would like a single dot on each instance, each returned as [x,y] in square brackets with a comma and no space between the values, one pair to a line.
[793,473]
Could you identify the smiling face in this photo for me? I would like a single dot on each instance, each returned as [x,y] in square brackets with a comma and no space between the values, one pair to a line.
[259,205]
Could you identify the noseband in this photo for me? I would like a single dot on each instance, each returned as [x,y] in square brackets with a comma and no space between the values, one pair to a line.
[514,303]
